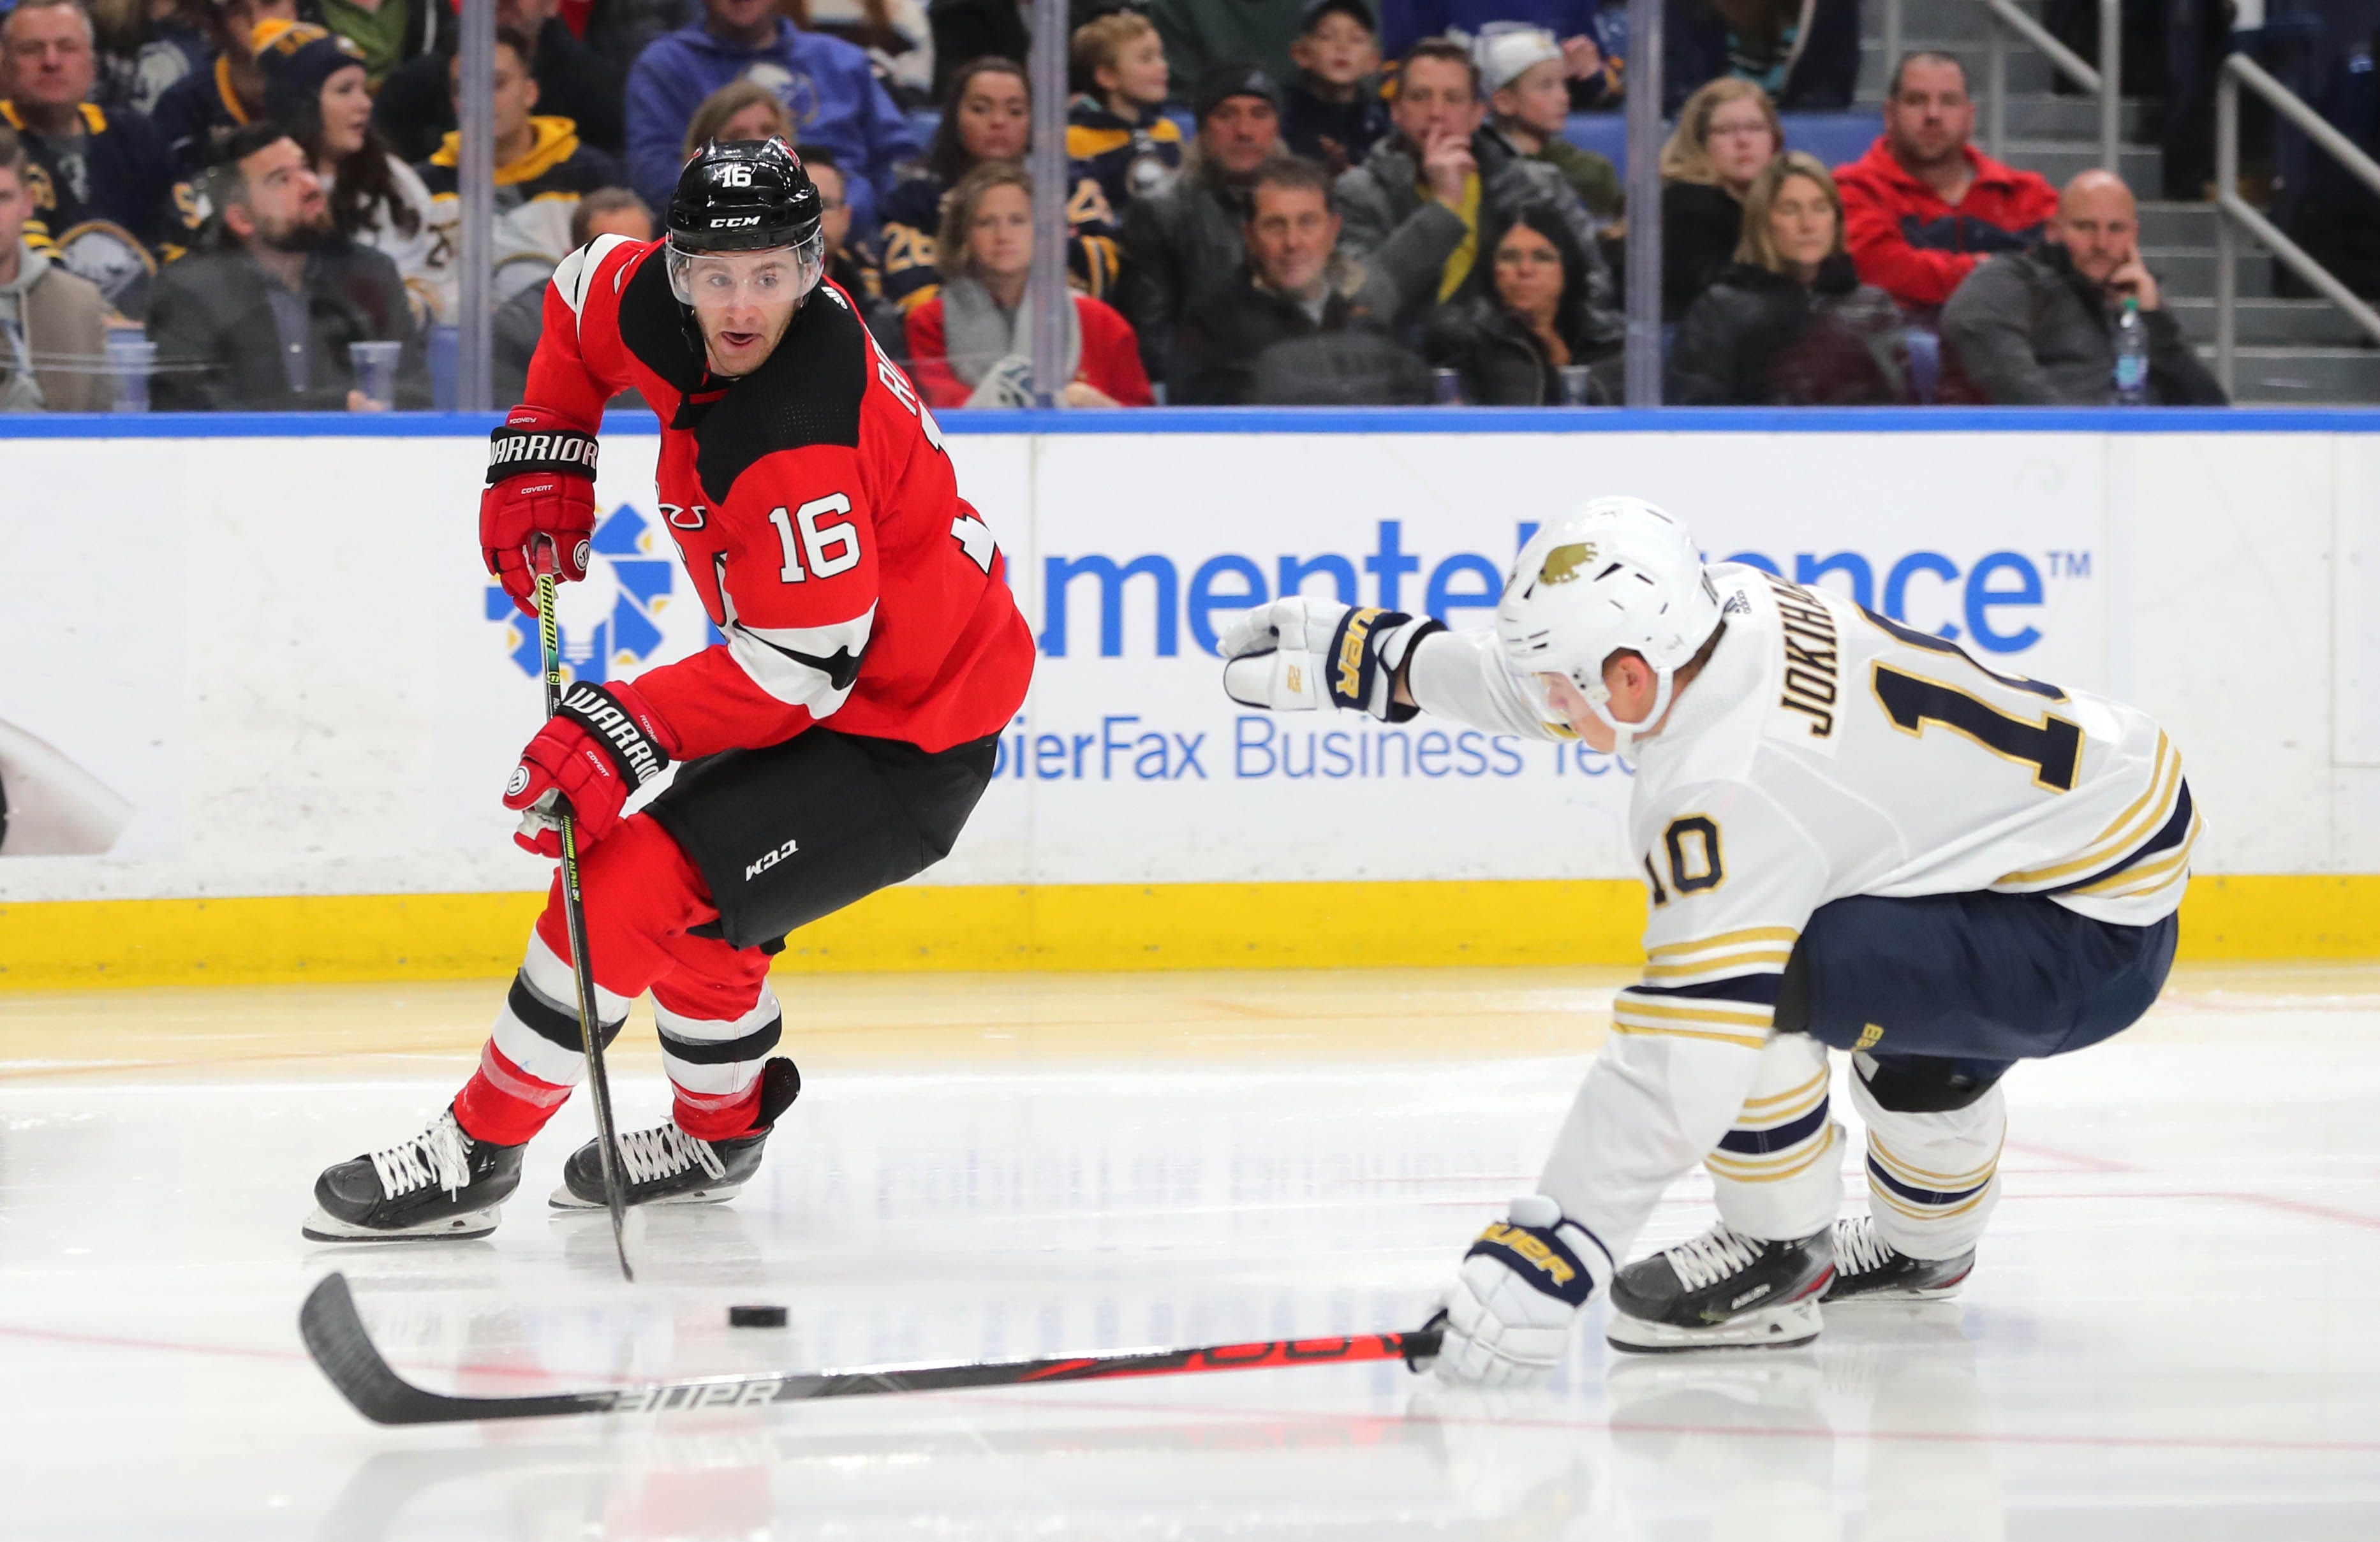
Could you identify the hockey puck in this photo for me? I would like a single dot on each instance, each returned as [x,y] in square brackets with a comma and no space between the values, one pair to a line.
[756,1316]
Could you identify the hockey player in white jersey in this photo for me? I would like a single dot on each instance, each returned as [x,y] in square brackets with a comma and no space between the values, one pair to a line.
[1854,837]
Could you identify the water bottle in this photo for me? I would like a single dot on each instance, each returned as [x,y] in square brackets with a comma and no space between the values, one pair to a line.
[2131,355]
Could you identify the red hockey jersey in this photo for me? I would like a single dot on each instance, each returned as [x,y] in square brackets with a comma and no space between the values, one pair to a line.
[815,509]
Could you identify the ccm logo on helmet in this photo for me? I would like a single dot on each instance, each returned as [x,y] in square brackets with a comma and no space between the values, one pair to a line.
[734,222]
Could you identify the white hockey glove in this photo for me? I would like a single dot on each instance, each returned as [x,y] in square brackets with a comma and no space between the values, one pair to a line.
[1507,1319]
[1295,654]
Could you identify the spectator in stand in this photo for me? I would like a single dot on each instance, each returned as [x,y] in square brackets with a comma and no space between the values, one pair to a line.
[967,30]
[1189,236]
[1922,207]
[1509,341]
[543,170]
[2037,328]
[1201,35]
[1303,325]
[827,86]
[1416,208]
[741,110]
[1118,137]
[1528,95]
[520,320]
[1332,114]
[413,109]
[314,88]
[1789,324]
[53,325]
[972,343]
[388,32]
[895,34]
[1805,54]
[260,320]
[852,268]
[988,116]
[145,46]
[1592,71]
[199,111]
[83,166]
[1727,133]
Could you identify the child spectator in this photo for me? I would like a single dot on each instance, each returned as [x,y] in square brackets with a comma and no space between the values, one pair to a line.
[1118,137]
[260,321]
[1591,67]
[826,84]
[199,112]
[1331,113]
[1304,326]
[1726,133]
[53,325]
[988,117]
[1510,341]
[314,87]
[102,175]
[1528,94]
[543,170]
[1789,324]
[972,343]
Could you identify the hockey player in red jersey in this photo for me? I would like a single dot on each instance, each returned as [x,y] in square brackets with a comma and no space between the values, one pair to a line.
[834,743]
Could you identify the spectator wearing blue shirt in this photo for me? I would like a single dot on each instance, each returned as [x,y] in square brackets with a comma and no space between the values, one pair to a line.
[826,84]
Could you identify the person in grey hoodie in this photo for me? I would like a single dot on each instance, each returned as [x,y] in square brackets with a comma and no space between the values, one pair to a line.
[1416,208]
[53,325]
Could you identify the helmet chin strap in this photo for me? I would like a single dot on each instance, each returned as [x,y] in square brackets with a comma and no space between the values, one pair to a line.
[1624,735]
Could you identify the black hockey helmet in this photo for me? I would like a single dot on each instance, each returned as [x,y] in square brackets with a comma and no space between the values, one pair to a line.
[745,195]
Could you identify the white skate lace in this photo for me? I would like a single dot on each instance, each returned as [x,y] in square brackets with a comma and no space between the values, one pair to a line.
[1857,1251]
[439,1154]
[1711,1257]
[664,1152]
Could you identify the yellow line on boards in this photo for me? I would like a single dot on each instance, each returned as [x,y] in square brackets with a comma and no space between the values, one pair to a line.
[49,945]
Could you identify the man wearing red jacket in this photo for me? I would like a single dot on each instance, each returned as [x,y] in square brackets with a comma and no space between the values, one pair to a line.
[834,743]
[1923,206]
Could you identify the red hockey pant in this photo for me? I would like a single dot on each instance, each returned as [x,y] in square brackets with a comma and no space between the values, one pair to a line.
[717,1015]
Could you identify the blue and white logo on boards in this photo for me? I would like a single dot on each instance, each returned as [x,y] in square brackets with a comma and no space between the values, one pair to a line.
[610,619]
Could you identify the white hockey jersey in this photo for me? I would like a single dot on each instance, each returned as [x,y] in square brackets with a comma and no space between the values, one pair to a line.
[1823,751]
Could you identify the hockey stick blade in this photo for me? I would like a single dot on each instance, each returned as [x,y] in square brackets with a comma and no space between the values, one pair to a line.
[335,1337]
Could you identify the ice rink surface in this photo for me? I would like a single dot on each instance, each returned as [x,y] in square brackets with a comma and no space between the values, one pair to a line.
[2173,1333]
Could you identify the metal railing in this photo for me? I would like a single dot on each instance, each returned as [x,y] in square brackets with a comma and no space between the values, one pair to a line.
[2233,209]
[2105,82]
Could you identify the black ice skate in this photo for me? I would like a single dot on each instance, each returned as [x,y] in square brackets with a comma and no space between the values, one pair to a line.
[666,1166]
[440,1183]
[1867,1268]
[1722,1290]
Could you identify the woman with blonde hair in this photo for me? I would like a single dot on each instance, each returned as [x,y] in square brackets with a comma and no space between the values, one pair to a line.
[739,110]
[1726,132]
[1789,324]
[971,343]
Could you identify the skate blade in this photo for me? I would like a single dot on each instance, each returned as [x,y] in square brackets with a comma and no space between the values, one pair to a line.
[1930,1292]
[322,1226]
[1788,1327]
[719,1194]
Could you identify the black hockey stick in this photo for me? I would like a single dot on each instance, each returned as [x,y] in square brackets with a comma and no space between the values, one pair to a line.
[335,1337]
[574,911]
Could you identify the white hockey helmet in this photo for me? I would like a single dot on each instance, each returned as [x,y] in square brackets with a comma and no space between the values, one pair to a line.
[1617,573]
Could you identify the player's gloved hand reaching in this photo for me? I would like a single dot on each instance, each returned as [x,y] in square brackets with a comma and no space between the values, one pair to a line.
[1296,654]
[1507,1318]
[605,743]
[541,486]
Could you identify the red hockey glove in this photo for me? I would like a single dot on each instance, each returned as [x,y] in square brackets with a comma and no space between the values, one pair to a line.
[604,743]
[540,483]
